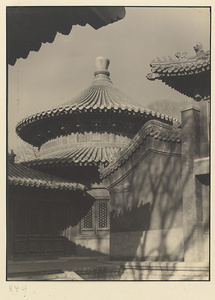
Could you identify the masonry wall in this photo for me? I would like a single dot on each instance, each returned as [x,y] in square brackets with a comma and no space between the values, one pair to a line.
[146,204]
[93,241]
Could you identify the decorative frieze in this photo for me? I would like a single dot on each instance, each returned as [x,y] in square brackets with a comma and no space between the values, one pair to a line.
[87,139]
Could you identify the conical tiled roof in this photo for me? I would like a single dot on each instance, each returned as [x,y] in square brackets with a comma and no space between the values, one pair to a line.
[84,156]
[102,93]
[100,98]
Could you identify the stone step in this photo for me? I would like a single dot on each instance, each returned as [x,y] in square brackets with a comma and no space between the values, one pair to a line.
[57,276]
[101,273]
[134,270]
[33,273]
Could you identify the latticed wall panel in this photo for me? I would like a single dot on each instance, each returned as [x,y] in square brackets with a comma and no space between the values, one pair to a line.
[97,218]
[88,220]
[103,215]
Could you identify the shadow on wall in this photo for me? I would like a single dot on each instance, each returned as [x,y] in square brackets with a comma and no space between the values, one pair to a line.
[78,250]
[87,252]
[146,222]
[147,216]
[135,219]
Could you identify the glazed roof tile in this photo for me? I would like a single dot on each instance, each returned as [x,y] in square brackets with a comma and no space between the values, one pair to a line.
[19,175]
[79,156]
[70,109]
[101,96]
[154,129]
[181,65]
[28,28]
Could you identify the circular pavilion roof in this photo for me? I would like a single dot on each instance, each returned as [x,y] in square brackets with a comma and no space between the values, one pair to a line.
[100,97]
[85,156]
[102,93]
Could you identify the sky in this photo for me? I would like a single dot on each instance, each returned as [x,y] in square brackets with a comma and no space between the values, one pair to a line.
[62,69]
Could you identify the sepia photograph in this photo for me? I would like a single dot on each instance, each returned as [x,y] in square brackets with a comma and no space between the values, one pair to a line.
[108,143]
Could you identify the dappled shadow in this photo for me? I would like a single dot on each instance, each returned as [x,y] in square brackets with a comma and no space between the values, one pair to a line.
[146,218]
[88,252]
[154,190]
[153,206]
[136,218]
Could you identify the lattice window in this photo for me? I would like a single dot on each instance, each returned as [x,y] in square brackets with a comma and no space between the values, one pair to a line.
[88,220]
[102,215]
[97,218]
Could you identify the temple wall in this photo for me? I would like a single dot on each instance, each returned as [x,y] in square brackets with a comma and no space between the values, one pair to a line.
[93,246]
[88,245]
[196,178]
[146,219]
[149,244]
[93,240]
[204,106]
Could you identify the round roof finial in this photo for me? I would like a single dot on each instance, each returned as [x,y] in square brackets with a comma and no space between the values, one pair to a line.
[102,64]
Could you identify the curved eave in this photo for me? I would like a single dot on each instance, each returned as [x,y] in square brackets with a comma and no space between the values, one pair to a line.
[16,181]
[29,27]
[153,129]
[19,175]
[189,85]
[59,117]
[158,73]
[87,156]
[180,67]
[189,76]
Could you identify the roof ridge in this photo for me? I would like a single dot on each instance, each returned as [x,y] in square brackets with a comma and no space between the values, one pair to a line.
[153,128]
[181,65]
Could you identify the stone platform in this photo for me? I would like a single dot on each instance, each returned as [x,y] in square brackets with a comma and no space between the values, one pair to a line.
[80,268]
[137,270]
